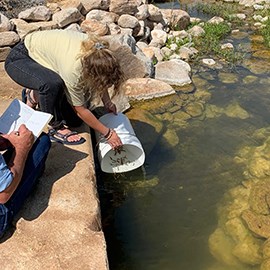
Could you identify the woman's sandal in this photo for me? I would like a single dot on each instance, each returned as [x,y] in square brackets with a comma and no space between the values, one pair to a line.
[27,97]
[63,138]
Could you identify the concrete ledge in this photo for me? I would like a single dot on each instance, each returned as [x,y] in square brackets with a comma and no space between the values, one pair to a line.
[59,226]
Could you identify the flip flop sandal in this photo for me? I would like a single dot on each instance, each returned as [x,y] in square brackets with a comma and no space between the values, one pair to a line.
[26,96]
[58,137]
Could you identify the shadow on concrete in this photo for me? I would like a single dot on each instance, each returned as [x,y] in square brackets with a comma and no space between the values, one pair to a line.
[61,161]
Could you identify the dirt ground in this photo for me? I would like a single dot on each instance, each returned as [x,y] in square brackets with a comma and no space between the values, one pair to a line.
[8,88]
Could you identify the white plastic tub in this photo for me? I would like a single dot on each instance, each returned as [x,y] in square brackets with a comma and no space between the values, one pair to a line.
[131,155]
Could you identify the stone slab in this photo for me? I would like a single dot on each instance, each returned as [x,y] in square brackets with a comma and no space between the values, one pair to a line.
[59,226]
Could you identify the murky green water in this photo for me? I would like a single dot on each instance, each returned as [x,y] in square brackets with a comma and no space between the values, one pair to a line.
[160,217]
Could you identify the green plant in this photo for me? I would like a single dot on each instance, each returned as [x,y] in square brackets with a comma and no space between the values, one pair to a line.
[177,41]
[210,41]
[265,32]
[262,12]
[221,10]
[155,61]
[230,56]
[225,10]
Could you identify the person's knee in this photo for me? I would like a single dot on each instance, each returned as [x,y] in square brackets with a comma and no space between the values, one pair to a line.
[46,142]
[53,86]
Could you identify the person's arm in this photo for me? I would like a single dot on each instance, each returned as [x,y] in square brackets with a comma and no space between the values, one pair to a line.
[108,104]
[94,123]
[22,143]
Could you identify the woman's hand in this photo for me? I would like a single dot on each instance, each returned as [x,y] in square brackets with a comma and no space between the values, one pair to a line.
[113,139]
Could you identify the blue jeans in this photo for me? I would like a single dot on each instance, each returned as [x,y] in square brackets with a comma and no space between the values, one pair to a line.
[34,168]
[50,86]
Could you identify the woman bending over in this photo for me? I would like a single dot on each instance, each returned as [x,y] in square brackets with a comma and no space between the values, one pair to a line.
[61,70]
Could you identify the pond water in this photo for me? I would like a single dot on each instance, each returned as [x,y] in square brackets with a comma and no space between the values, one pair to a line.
[160,216]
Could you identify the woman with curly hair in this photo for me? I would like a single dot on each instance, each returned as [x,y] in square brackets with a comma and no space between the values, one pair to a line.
[60,71]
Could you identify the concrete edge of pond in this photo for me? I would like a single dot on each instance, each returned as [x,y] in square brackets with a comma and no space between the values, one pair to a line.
[59,225]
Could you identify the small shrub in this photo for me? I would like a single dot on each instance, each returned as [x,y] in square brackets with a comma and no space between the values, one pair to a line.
[222,10]
[210,41]
[265,32]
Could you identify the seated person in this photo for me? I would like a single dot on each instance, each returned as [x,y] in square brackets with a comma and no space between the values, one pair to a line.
[21,165]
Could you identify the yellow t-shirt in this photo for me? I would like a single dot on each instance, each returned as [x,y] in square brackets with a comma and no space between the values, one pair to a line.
[58,50]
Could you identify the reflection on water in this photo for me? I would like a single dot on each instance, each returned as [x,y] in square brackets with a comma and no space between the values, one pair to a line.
[160,216]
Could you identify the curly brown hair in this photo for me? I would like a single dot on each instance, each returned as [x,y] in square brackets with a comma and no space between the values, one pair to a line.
[100,68]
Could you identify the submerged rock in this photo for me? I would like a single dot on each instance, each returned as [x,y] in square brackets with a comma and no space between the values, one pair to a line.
[258,224]
[265,265]
[195,109]
[258,198]
[248,251]
[226,77]
[259,66]
[171,137]
[234,110]
[221,248]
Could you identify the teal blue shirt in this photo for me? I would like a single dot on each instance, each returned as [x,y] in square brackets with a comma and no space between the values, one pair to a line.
[6,176]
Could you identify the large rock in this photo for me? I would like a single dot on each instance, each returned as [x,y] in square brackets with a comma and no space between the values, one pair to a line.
[132,64]
[4,51]
[40,13]
[124,6]
[179,19]
[5,24]
[174,72]
[9,38]
[103,16]
[23,28]
[95,27]
[67,16]
[89,5]
[146,88]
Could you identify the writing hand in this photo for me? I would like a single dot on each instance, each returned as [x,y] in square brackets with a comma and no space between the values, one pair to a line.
[21,139]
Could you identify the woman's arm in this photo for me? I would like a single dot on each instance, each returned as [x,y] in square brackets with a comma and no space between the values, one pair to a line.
[94,123]
[91,120]
[108,104]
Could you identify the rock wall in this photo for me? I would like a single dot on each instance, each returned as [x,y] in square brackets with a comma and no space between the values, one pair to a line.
[137,31]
